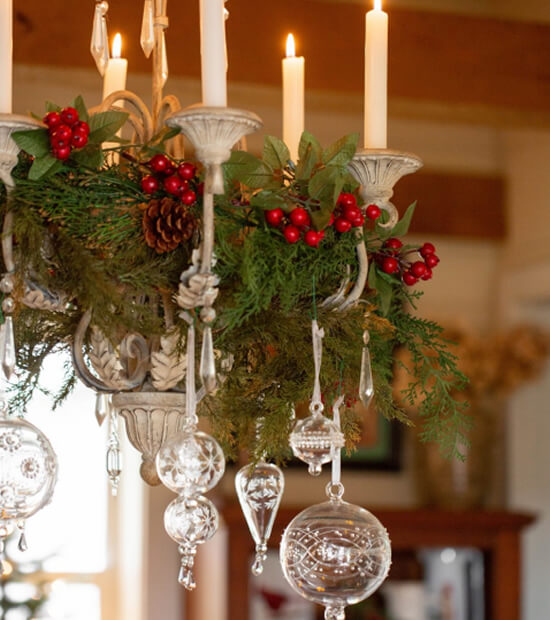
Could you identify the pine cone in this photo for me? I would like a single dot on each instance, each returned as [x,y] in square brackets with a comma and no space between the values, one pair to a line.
[166,224]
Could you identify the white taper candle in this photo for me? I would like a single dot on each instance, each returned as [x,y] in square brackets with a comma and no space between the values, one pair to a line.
[213,53]
[293,98]
[6,55]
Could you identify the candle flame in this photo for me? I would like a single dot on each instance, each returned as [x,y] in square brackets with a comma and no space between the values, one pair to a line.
[117,45]
[377,5]
[290,46]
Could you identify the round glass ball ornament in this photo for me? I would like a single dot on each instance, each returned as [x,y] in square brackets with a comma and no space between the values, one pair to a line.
[191,462]
[335,554]
[28,471]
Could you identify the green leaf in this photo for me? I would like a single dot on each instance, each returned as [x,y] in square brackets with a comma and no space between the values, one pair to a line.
[321,218]
[275,153]
[90,156]
[310,155]
[385,295]
[342,151]
[44,166]
[267,200]
[323,182]
[35,142]
[402,227]
[104,125]
[52,107]
[250,171]
[373,276]
[79,105]
[157,143]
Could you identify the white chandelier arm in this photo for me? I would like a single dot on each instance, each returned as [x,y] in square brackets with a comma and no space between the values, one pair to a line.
[140,120]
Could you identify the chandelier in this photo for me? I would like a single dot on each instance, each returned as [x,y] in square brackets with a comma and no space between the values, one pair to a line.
[131,255]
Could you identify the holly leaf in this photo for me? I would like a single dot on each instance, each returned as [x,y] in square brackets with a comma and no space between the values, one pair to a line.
[321,218]
[310,155]
[342,151]
[383,288]
[157,143]
[46,165]
[79,105]
[323,183]
[52,107]
[104,125]
[268,201]
[275,153]
[35,142]
[91,156]
[402,227]
[250,171]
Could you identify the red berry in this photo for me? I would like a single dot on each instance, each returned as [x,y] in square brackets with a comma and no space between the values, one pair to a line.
[418,269]
[52,119]
[189,197]
[62,153]
[409,279]
[79,140]
[359,221]
[427,249]
[373,212]
[291,233]
[200,189]
[69,116]
[187,171]
[347,200]
[432,261]
[332,218]
[428,274]
[300,217]
[61,133]
[393,244]
[390,265]
[321,234]
[352,213]
[173,185]
[149,184]
[159,163]
[82,127]
[342,225]
[312,238]
[274,217]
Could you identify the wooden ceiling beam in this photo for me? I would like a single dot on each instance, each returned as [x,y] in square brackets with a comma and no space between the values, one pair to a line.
[452,60]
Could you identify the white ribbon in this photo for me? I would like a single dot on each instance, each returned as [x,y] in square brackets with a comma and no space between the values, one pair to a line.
[317,335]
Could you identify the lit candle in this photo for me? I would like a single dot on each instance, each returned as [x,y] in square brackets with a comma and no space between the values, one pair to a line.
[213,53]
[376,78]
[6,55]
[293,98]
[116,70]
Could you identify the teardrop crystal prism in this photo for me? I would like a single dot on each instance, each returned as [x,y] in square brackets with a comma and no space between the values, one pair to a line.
[260,490]
[208,362]
[163,59]
[147,39]
[102,407]
[99,45]
[8,352]
[22,544]
[366,384]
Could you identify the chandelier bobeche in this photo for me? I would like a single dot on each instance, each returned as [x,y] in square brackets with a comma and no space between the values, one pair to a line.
[131,255]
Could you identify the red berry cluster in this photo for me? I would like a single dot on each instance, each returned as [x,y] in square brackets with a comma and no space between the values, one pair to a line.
[66,132]
[347,214]
[179,180]
[298,221]
[393,261]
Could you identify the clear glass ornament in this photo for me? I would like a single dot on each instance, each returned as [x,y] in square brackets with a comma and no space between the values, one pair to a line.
[366,383]
[207,369]
[102,407]
[190,521]
[8,346]
[147,38]
[99,45]
[314,438]
[260,490]
[114,454]
[191,462]
[28,472]
[335,554]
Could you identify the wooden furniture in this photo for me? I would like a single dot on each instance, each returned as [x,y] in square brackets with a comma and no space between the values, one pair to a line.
[496,533]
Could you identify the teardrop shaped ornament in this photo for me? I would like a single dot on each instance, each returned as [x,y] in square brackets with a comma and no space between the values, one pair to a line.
[366,383]
[8,350]
[99,45]
[147,38]
[102,407]
[208,362]
[163,59]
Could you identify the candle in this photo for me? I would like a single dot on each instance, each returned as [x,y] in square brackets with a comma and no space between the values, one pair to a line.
[376,77]
[6,55]
[293,98]
[116,70]
[213,53]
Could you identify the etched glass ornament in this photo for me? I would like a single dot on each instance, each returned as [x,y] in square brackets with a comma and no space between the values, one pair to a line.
[190,521]
[335,554]
[260,490]
[147,38]
[28,471]
[366,383]
[191,462]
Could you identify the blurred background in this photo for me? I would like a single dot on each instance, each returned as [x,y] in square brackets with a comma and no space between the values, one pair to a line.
[469,92]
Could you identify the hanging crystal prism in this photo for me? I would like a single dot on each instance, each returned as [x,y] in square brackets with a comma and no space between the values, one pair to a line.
[147,39]
[8,346]
[102,407]
[114,455]
[22,544]
[260,490]
[163,58]
[99,46]
[366,384]
[207,369]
